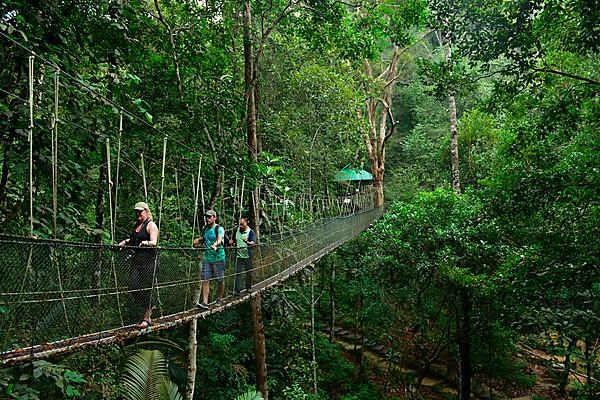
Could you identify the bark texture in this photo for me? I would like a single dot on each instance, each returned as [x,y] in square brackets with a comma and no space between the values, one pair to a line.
[193,345]
[454,161]
[260,351]
[378,110]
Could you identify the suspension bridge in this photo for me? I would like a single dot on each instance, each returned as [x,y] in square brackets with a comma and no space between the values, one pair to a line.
[66,286]
[58,297]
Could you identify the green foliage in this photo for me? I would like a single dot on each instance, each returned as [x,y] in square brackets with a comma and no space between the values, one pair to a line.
[250,395]
[29,382]
[145,377]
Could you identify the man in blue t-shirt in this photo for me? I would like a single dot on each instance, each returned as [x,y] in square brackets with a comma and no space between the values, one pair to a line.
[213,262]
[244,238]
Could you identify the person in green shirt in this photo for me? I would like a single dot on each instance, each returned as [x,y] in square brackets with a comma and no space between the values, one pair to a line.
[213,262]
[244,238]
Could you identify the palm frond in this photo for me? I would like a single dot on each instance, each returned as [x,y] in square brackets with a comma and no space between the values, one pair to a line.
[250,395]
[143,374]
[169,390]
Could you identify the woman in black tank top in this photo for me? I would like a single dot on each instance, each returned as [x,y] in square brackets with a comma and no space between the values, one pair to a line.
[143,260]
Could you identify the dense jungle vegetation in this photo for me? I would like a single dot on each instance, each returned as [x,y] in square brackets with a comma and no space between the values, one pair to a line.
[479,119]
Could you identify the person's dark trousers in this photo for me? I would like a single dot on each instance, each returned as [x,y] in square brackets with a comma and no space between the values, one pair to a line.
[243,264]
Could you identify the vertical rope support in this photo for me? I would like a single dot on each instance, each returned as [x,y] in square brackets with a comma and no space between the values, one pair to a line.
[112,226]
[202,196]
[110,186]
[160,210]
[233,224]
[222,188]
[241,199]
[55,153]
[117,173]
[31,65]
[178,201]
[162,184]
[302,208]
[235,199]
[144,177]
[196,189]
[284,205]
[60,285]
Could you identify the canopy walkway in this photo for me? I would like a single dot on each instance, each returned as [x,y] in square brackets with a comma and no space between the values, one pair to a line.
[58,297]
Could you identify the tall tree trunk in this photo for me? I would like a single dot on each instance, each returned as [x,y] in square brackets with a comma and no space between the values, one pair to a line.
[191,372]
[260,351]
[192,341]
[588,361]
[564,381]
[249,82]
[454,161]
[463,332]
[5,171]
[378,110]
[97,266]
[251,130]
[216,189]
[332,304]
[312,332]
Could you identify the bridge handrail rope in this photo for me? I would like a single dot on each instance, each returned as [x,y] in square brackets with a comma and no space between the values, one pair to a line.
[25,241]
[271,260]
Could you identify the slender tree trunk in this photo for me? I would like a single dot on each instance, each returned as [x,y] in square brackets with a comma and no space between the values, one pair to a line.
[97,266]
[378,111]
[191,372]
[312,333]
[251,130]
[100,196]
[332,304]
[5,170]
[454,160]
[588,361]
[173,50]
[216,189]
[192,341]
[463,332]
[567,366]
[260,351]
[249,82]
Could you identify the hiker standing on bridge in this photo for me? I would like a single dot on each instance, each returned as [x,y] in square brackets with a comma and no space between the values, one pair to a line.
[143,261]
[244,238]
[213,263]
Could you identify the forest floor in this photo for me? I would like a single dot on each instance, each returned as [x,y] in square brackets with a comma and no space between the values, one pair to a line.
[540,383]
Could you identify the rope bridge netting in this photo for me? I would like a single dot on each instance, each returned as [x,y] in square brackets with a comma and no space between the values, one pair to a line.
[52,290]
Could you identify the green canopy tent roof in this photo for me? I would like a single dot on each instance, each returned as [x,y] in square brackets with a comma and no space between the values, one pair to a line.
[352,174]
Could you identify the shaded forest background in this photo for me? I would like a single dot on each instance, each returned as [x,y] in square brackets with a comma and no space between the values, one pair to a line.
[501,275]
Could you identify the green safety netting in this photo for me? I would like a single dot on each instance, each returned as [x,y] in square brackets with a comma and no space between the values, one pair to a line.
[54,290]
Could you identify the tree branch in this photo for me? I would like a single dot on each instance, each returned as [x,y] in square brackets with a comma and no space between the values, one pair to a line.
[566,75]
